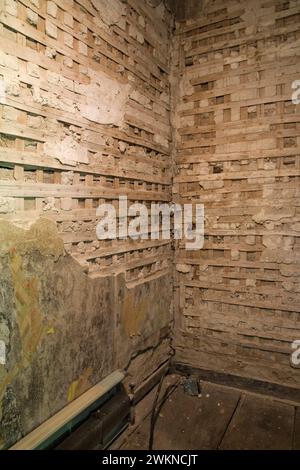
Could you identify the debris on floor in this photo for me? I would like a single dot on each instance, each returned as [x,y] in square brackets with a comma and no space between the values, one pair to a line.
[191,386]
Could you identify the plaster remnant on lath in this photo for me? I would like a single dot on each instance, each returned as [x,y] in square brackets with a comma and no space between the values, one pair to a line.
[67,150]
[110,11]
[105,100]
[7,204]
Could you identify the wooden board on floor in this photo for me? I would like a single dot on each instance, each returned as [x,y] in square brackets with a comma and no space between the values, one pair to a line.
[296,443]
[64,417]
[269,425]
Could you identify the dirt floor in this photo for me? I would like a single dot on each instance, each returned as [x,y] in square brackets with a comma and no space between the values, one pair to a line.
[220,418]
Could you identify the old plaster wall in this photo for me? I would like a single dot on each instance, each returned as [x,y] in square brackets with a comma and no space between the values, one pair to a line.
[237,151]
[84,118]
[52,320]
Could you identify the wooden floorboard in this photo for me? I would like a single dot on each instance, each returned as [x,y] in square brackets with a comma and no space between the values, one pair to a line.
[296,443]
[260,424]
[221,418]
[190,423]
[199,422]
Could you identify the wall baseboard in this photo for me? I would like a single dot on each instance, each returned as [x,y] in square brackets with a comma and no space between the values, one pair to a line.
[251,385]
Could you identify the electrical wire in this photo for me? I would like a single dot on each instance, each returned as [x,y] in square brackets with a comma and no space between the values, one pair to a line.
[153,412]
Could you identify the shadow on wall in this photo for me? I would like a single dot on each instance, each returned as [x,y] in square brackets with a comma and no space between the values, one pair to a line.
[188,9]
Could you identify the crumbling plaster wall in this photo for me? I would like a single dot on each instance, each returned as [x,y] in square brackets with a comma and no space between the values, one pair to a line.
[84,118]
[237,151]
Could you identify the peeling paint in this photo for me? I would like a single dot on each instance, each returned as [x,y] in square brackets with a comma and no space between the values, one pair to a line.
[28,317]
[28,314]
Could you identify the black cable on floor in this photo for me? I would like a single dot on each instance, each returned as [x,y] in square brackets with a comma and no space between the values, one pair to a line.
[153,412]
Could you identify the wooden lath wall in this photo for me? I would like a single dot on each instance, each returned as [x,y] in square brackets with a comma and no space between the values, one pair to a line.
[238,152]
[50,54]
